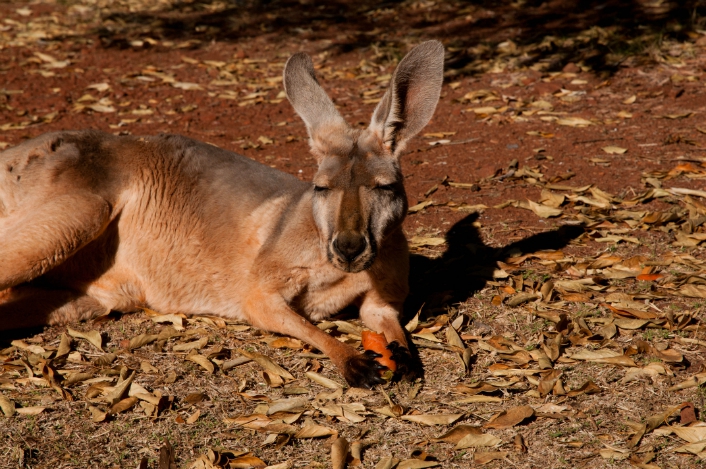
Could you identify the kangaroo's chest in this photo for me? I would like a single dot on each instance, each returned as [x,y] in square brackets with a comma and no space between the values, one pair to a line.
[323,291]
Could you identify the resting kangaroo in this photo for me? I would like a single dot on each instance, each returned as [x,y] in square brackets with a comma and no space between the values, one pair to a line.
[91,222]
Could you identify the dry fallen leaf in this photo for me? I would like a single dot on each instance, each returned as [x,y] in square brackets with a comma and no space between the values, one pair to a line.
[76,377]
[142,340]
[574,122]
[388,462]
[510,417]
[123,405]
[64,347]
[589,387]
[100,87]
[314,430]
[698,448]
[614,454]
[691,434]
[322,380]
[93,337]
[282,465]
[481,458]
[454,340]
[457,433]
[682,115]
[119,390]
[98,107]
[287,342]
[176,320]
[521,298]
[339,453]
[36,410]
[420,241]
[550,199]
[485,110]
[193,417]
[186,86]
[540,210]
[7,406]
[693,291]
[97,415]
[267,364]
[603,356]
[478,399]
[194,345]
[201,360]
[548,381]
[692,382]
[477,441]
[296,404]
[613,150]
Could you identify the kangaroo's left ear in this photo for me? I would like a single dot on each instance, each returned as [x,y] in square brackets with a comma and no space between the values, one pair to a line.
[409,103]
[325,125]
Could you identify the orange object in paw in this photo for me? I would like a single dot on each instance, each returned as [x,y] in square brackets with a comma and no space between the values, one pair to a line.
[378,344]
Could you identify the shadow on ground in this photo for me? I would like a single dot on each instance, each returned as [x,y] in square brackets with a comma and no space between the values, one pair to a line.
[553,33]
[468,264]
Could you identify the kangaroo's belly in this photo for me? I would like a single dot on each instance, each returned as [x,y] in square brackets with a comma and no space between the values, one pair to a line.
[175,261]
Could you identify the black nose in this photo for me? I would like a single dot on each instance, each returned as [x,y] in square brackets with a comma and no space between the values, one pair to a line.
[349,245]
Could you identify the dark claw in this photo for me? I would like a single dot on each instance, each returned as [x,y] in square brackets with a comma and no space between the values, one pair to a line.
[363,371]
[409,368]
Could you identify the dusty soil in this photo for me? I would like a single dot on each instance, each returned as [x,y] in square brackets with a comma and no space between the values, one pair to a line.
[540,98]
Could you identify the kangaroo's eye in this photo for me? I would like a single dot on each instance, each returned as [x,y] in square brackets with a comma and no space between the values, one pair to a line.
[386,187]
[321,189]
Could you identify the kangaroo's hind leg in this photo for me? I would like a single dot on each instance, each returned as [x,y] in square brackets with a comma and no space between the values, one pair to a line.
[42,234]
[27,306]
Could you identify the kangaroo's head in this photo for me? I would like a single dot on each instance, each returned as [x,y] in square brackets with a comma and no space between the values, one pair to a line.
[358,194]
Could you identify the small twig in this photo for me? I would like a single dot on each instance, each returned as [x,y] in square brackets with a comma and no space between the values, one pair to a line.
[458,142]
[700,159]
[461,142]
[99,435]
[426,344]
[318,356]
[598,140]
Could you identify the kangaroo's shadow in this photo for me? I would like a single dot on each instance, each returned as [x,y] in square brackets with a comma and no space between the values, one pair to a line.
[468,264]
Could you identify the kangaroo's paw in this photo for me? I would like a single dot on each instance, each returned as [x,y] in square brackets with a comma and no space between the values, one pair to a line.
[363,371]
[409,368]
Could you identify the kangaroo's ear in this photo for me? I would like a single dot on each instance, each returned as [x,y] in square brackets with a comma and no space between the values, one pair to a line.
[410,101]
[310,100]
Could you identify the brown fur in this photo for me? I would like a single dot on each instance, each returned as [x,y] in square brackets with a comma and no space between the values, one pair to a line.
[90,222]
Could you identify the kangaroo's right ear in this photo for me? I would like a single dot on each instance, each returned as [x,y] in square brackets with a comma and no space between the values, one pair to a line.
[311,102]
[410,101]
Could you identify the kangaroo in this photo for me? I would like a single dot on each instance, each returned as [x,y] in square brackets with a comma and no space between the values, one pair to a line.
[91,222]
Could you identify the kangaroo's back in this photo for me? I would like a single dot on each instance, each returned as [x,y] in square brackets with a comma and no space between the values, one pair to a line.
[197,166]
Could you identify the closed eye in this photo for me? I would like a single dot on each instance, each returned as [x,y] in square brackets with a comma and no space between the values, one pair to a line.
[321,189]
[386,187]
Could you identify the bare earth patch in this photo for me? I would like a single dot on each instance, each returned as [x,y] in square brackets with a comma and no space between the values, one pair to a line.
[556,222]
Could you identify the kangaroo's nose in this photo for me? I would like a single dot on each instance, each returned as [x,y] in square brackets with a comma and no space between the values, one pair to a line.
[349,244]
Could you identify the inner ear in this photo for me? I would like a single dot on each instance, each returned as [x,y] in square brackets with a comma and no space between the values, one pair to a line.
[414,91]
[310,100]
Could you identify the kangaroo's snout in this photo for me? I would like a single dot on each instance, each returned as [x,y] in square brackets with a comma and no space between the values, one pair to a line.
[349,245]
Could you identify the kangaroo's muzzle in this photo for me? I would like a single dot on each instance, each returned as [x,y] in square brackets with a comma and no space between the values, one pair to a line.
[348,245]
[351,251]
